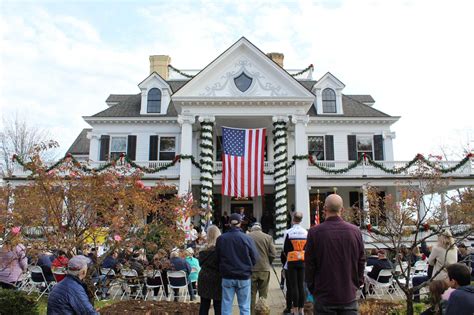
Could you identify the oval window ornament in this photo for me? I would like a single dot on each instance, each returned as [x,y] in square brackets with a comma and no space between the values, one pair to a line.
[243,82]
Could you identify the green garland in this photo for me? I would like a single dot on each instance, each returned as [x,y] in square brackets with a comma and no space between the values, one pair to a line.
[150,170]
[310,67]
[280,175]
[181,72]
[423,228]
[207,168]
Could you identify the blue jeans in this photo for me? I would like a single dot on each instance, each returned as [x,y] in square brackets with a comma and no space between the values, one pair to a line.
[242,289]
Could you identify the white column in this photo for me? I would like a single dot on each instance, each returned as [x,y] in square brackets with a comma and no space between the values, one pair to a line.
[301,168]
[94,147]
[444,209]
[185,168]
[365,205]
[388,145]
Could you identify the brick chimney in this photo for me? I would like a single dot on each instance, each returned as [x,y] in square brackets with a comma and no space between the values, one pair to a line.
[277,57]
[159,64]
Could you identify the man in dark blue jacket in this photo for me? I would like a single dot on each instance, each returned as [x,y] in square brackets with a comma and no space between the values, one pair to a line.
[461,301]
[70,296]
[236,254]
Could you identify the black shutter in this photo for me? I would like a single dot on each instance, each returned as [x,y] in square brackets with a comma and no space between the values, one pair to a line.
[132,147]
[378,148]
[153,148]
[104,148]
[351,147]
[329,143]
[354,199]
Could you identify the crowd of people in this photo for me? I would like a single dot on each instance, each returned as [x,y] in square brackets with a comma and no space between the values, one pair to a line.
[327,264]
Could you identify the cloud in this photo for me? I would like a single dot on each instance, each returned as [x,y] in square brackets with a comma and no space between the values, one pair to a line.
[414,57]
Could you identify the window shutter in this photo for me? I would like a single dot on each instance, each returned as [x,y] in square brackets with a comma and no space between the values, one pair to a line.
[329,143]
[132,147]
[351,147]
[378,148]
[354,199]
[104,147]
[153,148]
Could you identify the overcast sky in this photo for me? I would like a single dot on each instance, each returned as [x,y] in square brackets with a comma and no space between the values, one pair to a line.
[59,61]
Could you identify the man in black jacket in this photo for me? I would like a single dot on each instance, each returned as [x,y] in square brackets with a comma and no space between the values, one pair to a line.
[237,254]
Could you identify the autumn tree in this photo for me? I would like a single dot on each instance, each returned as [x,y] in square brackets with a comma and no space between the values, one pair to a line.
[69,206]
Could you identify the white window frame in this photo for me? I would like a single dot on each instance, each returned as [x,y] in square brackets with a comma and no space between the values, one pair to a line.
[175,144]
[110,145]
[371,137]
[324,143]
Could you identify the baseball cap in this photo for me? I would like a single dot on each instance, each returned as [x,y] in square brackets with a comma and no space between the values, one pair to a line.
[235,218]
[78,262]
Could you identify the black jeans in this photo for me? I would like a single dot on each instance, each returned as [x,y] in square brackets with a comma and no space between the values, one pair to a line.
[341,309]
[206,305]
[296,283]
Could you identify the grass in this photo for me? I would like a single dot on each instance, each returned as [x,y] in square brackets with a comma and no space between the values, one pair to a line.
[43,304]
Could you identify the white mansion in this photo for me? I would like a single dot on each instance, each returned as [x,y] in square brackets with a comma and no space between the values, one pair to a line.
[178,114]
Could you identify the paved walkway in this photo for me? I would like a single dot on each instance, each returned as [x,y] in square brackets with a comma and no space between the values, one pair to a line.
[275,299]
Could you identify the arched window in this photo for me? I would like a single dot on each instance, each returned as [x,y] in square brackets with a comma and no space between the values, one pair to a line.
[154,101]
[329,101]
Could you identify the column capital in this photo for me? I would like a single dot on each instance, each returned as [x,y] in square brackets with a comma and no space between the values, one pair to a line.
[280,118]
[207,118]
[300,119]
[186,119]
[388,134]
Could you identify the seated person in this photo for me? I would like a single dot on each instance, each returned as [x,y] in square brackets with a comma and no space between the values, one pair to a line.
[195,268]
[372,259]
[59,264]
[111,261]
[45,261]
[461,300]
[177,264]
[382,263]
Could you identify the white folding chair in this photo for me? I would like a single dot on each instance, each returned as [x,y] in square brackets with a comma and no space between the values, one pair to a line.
[37,278]
[421,268]
[178,280]
[154,280]
[131,282]
[381,287]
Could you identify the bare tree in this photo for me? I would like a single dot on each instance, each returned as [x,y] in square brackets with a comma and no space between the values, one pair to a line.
[413,218]
[18,136]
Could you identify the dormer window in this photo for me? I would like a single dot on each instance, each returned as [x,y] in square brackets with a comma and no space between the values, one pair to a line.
[154,101]
[329,101]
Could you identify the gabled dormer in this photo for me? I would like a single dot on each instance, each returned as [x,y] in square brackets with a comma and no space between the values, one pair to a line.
[156,95]
[328,91]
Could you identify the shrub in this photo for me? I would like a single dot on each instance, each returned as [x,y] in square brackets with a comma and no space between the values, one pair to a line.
[17,303]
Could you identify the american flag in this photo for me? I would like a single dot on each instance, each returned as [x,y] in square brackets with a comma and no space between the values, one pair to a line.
[242,162]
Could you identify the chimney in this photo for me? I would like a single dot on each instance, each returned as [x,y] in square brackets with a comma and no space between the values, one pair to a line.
[276,57]
[159,64]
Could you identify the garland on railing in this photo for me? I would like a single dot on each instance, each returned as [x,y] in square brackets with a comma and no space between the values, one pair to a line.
[423,228]
[280,160]
[181,72]
[207,166]
[310,67]
[122,160]
[149,170]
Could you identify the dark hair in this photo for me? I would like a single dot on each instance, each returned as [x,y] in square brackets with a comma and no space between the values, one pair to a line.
[460,273]
[437,288]
[61,253]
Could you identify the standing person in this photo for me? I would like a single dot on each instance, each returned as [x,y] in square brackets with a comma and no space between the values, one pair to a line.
[225,224]
[461,300]
[236,255]
[178,263]
[267,222]
[70,295]
[335,261]
[209,280]
[261,271]
[294,249]
[443,254]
